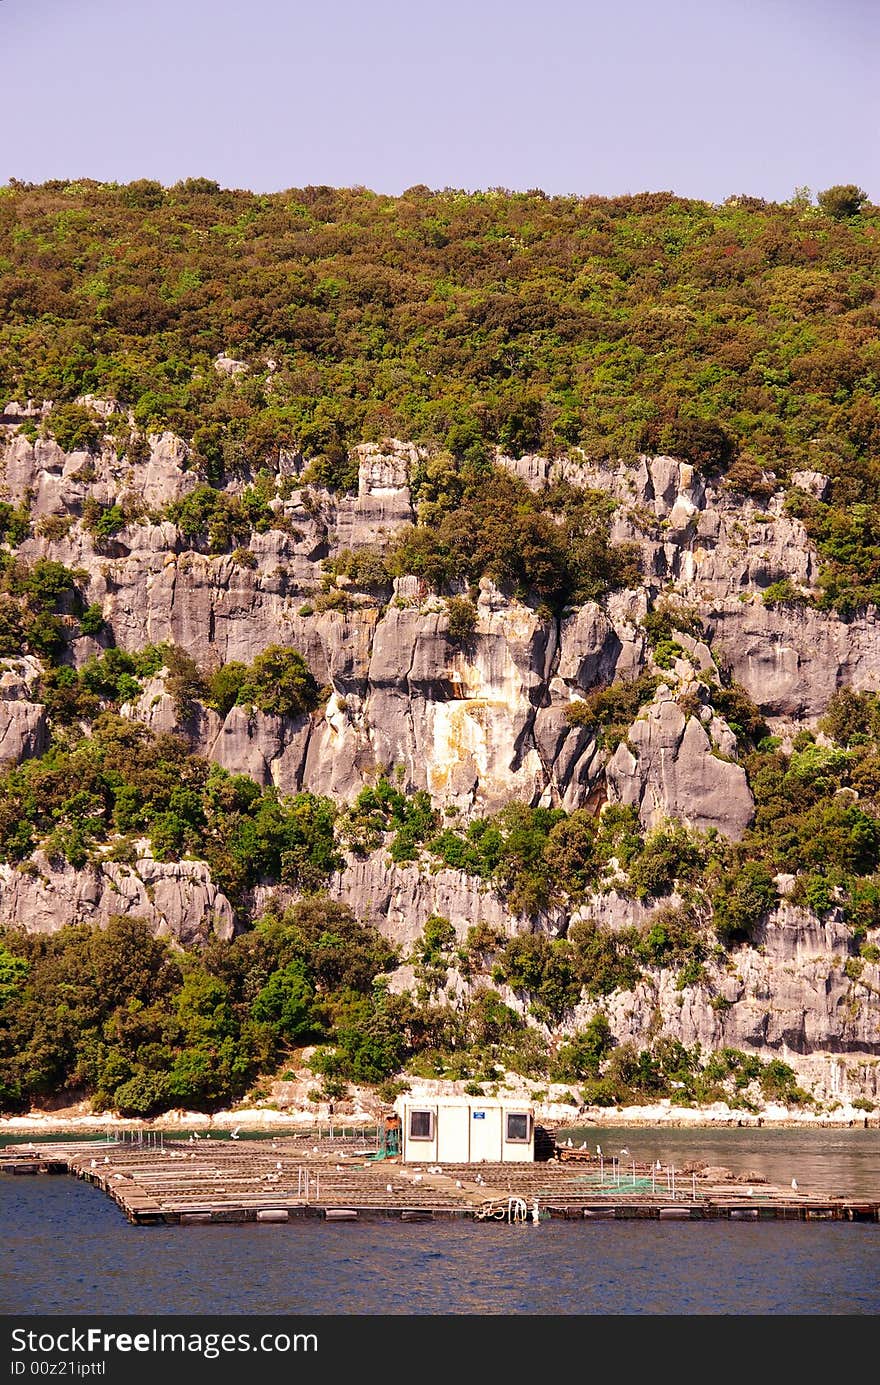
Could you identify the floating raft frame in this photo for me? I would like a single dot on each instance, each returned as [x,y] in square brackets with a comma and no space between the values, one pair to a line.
[279,1181]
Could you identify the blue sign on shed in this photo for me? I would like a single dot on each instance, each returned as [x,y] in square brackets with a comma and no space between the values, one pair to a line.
[479,1115]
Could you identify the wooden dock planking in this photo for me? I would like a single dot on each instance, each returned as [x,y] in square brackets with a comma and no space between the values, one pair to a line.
[197,1184]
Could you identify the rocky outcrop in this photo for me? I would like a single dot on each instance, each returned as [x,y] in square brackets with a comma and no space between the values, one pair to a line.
[398,899]
[787,996]
[792,660]
[24,730]
[177,899]
[672,766]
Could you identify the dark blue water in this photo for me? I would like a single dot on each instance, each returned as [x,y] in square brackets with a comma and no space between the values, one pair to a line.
[67,1249]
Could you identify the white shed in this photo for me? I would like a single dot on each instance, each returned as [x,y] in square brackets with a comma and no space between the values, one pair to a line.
[466,1130]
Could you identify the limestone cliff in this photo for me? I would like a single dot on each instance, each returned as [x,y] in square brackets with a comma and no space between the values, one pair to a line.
[477,722]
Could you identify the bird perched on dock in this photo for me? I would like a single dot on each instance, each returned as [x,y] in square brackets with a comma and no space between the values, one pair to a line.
[624,1150]
[794,1184]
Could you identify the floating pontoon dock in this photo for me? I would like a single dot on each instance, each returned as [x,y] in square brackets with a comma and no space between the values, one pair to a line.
[199,1181]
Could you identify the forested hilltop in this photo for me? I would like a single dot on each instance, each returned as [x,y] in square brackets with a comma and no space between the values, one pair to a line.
[440,631]
[453,320]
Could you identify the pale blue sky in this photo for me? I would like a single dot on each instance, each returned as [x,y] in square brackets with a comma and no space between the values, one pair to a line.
[705,99]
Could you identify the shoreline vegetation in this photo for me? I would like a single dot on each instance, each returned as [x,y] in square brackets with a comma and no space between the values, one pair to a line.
[356,1115]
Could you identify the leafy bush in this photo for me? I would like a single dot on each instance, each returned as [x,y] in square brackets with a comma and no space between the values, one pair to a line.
[610,711]
[462,614]
[740,900]
[783,593]
[73,428]
[279,683]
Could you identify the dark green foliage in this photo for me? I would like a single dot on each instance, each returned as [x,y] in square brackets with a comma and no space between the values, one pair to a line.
[279,683]
[489,1021]
[104,681]
[15,523]
[455,320]
[667,856]
[38,606]
[462,615]
[370,1041]
[223,686]
[343,954]
[544,970]
[852,718]
[103,521]
[476,520]
[216,522]
[117,1016]
[740,900]
[701,441]
[511,849]
[842,201]
[122,779]
[741,713]
[365,568]
[778,1082]
[665,619]
[605,959]
[844,530]
[783,593]
[661,626]
[91,622]
[381,810]
[583,1054]
[335,468]
[438,938]
[460,322]
[286,1002]
[610,712]
[73,427]
[573,853]
[671,938]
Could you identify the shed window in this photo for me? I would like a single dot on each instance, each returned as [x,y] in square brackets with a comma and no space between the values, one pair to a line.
[421,1125]
[517,1128]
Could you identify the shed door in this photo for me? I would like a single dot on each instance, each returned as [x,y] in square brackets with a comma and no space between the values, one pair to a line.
[452,1134]
[486,1134]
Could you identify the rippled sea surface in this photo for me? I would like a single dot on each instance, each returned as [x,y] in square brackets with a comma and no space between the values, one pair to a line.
[68,1250]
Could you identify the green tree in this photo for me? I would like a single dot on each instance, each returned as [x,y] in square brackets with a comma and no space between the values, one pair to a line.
[843,200]
[280,683]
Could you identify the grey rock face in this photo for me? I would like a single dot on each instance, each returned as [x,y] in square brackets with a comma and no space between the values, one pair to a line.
[666,767]
[177,899]
[792,660]
[398,899]
[24,730]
